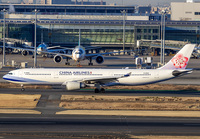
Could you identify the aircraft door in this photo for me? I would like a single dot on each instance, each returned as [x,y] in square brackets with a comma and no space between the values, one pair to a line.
[55,75]
[20,73]
[156,74]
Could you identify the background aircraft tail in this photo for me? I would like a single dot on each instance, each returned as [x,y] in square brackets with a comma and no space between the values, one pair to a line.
[181,59]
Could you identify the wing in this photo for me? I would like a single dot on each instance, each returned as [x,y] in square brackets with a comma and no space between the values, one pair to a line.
[58,48]
[96,54]
[19,48]
[54,53]
[46,52]
[100,80]
[91,47]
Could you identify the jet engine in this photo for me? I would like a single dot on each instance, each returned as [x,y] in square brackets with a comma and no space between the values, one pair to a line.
[99,59]
[25,53]
[74,85]
[57,58]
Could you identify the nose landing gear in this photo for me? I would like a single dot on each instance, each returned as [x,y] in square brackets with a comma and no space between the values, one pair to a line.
[22,89]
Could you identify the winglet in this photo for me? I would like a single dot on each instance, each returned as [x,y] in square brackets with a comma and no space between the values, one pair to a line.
[181,59]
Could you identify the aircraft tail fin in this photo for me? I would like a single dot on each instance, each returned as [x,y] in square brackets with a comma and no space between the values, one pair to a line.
[181,59]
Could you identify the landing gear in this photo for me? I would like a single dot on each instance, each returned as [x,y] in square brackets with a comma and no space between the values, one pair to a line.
[67,61]
[98,89]
[102,90]
[90,64]
[22,89]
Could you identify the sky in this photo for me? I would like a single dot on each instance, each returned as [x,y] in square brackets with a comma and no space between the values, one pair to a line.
[141,2]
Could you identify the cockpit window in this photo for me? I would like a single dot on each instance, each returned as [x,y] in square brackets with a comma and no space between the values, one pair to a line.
[79,52]
[10,73]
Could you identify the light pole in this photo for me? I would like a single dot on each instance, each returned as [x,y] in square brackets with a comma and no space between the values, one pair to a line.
[163,37]
[35,47]
[4,33]
[162,58]
[123,12]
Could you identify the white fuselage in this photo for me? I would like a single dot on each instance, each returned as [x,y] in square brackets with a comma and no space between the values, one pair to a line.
[57,76]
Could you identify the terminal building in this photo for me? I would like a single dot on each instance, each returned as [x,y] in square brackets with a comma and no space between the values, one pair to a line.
[185,11]
[76,2]
[101,25]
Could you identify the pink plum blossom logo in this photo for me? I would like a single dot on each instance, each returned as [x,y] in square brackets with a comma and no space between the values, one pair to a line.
[179,61]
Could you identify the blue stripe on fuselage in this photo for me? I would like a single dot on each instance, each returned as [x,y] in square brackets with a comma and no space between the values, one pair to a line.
[22,80]
[14,80]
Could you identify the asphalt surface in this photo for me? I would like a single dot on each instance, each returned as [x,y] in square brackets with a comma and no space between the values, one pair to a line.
[73,126]
[50,125]
[109,92]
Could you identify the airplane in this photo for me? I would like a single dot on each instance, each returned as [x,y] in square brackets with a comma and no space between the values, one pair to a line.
[78,53]
[25,49]
[77,78]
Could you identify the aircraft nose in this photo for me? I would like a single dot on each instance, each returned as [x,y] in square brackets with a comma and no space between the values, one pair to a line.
[5,77]
[78,56]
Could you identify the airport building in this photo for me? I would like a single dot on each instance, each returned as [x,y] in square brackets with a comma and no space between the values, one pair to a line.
[101,25]
[76,2]
[185,11]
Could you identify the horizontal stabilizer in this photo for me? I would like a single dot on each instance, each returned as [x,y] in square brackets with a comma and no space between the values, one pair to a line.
[178,72]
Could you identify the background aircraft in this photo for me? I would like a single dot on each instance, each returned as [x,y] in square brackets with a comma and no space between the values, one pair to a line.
[78,53]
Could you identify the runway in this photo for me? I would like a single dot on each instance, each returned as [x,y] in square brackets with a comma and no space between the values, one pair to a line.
[57,92]
[95,126]
[48,124]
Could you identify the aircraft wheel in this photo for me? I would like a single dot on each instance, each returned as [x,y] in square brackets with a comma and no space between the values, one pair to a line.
[23,89]
[103,90]
[67,63]
[96,90]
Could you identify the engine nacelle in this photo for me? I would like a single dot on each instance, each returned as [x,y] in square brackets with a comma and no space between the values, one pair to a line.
[25,53]
[74,85]
[100,59]
[57,58]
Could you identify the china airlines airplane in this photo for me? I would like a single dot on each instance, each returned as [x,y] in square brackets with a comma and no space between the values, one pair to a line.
[77,78]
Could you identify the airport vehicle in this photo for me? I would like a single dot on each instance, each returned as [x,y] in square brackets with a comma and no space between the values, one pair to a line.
[77,78]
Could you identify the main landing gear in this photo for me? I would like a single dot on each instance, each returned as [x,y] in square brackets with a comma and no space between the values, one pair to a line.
[90,64]
[22,89]
[102,90]
[67,61]
[99,89]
